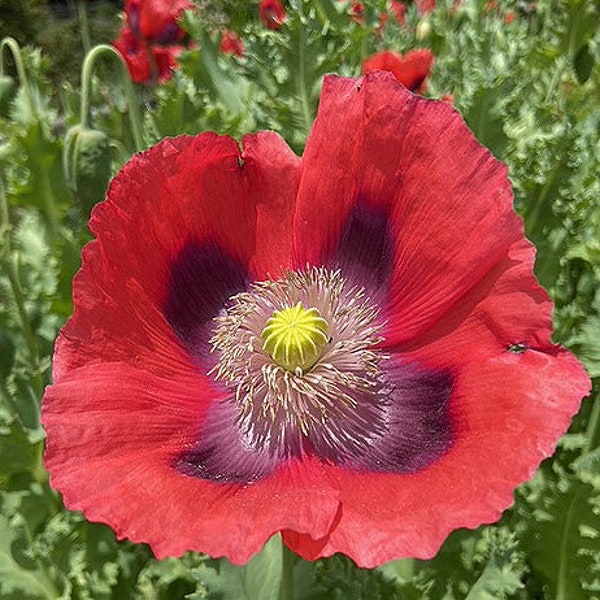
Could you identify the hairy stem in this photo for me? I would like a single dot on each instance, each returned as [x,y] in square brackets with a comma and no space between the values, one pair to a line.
[287,572]
[86,76]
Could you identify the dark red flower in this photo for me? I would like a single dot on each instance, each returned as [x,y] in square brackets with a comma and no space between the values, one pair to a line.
[272,13]
[410,70]
[156,20]
[147,63]
[231,44]
[399,9]
[428,387]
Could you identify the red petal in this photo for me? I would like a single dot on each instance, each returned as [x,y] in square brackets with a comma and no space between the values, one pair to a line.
[448,201]
[150,18]
[272,13]
[135,54]
[509,412]
[113,432]
[182,189]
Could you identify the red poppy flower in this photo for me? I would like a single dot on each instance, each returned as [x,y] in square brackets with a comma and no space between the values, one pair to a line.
[349,347]
[399,9]
[410,70]
[357,11]
[231,44]
[272,13]
[147,63]
[509,17]
[156,20]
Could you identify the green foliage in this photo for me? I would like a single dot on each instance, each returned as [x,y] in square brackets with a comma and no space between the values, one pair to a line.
[529,90]
[561,534]
[260,578]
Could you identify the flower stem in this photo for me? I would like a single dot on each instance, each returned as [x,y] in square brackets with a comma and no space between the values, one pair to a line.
[84,26]
[86,75]
[287,572]
[301,74]
[593,427]
[9,266]
[15,50]
[560,67]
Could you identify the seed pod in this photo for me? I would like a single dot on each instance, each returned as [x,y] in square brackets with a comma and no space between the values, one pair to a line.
[86,164]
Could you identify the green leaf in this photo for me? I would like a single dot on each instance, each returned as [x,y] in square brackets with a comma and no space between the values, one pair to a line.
[17,452]
[7,354]
[563,536]
[587,466]
[583,63]
[501,577]
[587,345]
[260,578]
[20,578]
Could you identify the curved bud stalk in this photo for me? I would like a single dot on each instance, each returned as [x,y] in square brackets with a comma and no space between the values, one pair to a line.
[86,153]
[6,82]
[86,75]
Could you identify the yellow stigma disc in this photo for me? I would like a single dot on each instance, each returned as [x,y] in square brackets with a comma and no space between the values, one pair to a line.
[295,337]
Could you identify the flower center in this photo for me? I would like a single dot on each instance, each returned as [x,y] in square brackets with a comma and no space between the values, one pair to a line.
[304,379]
[295,337]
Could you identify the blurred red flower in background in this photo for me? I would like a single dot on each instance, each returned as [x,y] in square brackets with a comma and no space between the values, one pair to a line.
[149,40]
[146,62]
[231,43]
[272,13]
[399,9]
[410,69]
[435,390]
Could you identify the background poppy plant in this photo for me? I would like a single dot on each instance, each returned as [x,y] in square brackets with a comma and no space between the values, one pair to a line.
[394,202]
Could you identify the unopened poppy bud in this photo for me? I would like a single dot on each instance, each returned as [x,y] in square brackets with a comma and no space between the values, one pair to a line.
[423,29]
[86,163]
[295,337]
[6,89]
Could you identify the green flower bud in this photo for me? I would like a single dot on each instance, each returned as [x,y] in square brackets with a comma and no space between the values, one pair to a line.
[423,29]
[7,85]
[86,164]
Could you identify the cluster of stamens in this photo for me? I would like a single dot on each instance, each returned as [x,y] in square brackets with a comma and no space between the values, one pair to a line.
[299,356]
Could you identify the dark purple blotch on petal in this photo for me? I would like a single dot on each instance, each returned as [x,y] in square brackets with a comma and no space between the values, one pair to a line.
[420,427]
[411,431]
[223,453]
[203,278]
[365,250]
[168,34]
[133,19]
